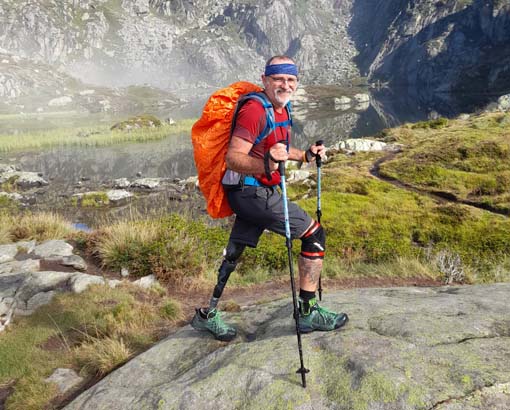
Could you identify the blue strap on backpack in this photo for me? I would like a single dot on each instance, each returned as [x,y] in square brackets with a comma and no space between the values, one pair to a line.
[271,124]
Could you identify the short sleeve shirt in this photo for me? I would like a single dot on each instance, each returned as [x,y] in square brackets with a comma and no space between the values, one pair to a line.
[251,121]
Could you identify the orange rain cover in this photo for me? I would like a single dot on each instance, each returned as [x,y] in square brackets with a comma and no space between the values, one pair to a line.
[210,136]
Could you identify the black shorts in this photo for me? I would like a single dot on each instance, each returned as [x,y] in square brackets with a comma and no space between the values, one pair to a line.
[259,208]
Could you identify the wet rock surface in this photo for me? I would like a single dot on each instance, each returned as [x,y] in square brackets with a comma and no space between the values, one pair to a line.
[442,348]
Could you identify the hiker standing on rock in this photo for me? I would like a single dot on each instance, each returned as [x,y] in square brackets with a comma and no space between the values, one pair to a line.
[251,183]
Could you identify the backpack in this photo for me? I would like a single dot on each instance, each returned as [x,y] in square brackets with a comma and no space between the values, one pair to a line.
[211,135]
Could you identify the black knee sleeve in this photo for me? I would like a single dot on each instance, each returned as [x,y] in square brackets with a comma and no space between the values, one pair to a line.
[313,242]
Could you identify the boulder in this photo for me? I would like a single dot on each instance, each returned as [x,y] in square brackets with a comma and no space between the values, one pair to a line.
[24,179]
[504,102]
[342,101]
[146,183]
[363,144]
[8,252]
[146,282]
[60,101]
[65,379]
[362,98]
[121,183]
[80,282]
[52,248]
[28,265]
[403,349]
[116,196]
[73,261]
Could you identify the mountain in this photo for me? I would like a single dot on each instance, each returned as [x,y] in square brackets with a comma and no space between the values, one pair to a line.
[186,45]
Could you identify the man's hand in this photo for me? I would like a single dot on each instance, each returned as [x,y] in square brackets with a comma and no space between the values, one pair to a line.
[279,152]
[314,150]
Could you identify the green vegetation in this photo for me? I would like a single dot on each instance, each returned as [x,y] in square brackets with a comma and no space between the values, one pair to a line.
[469,160]
[92,332]
[168,247]
[38,226]
[89,137]
[139,121]
[91,199]
[375,230]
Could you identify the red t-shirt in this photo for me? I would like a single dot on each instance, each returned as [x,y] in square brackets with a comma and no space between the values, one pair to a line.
[251,121]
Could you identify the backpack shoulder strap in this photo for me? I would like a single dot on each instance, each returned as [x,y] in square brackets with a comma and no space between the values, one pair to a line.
[271,124]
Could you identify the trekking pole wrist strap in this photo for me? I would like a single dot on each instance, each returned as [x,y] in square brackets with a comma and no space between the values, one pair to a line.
[308,155]
[267,167]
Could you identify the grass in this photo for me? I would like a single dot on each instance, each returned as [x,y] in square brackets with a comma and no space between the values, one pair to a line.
[92,332]
[33,226]
[89,137]
[468,160]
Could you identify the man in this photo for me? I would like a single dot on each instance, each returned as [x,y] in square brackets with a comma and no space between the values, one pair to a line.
[251,183]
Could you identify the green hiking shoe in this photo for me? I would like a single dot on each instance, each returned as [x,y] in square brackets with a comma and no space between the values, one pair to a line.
[314,317]
[212,322]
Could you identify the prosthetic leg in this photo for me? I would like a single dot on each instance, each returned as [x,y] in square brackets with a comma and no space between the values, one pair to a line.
[209,319]
[231,254]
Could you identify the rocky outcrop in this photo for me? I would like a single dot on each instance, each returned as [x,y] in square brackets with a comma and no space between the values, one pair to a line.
[450,45]
[192,46]
[24,287]
[404,348]
[173,44]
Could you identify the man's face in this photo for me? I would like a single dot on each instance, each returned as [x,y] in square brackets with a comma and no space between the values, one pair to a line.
[279,87]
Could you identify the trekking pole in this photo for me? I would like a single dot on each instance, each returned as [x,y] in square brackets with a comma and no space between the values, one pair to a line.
[318,160]
[288,241]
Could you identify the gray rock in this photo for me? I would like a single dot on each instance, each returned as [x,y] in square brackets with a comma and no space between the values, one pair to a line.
[24,179]
[60,101]
[464,117]
[362,98]
[403,349]
[121,183]
[361,144]
[12,195]
[298,175]
[37,282]
[124,272]
[146,183]
[342,101]
[8,252]
[7,168]
[35,302]
[26,246]
[65,379]
[28,265]
[113,283]
[80,282]
[74,261]
[118,195]
[146,282]
[52,248]
[504,102]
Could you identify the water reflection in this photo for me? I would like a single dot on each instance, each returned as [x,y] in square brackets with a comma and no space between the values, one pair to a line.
[317,115]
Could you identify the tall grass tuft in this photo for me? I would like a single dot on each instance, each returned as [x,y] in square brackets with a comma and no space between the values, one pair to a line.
[33,226]
[101,355]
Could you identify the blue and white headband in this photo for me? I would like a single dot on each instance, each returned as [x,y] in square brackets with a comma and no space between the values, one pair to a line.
[290,69]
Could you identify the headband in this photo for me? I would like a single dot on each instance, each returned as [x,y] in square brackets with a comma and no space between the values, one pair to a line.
[290,69]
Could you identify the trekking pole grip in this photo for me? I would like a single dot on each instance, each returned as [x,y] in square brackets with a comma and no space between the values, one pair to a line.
[318,158]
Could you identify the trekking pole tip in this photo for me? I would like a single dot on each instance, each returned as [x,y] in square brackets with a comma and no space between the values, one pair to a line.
[303,372]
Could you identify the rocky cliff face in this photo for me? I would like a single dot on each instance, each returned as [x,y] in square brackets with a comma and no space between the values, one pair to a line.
[185,44]
[446,45]
[172,43]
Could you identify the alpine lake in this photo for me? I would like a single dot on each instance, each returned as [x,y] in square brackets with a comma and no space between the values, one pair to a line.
[319,113]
